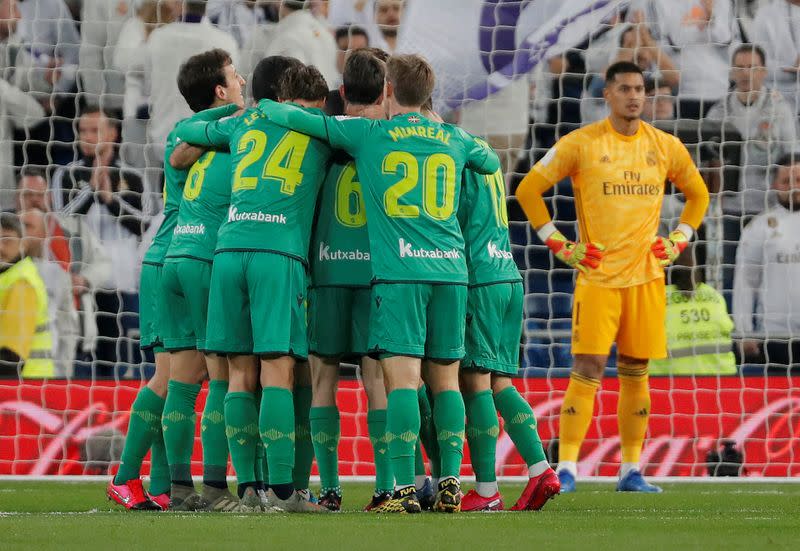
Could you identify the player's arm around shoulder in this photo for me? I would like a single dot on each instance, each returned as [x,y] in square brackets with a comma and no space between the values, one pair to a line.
[479,155]
[210,128]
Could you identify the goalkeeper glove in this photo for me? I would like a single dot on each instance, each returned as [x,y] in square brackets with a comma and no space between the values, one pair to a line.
[667,249]
[581,256]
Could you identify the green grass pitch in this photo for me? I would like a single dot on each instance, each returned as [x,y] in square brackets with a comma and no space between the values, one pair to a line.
[66,515]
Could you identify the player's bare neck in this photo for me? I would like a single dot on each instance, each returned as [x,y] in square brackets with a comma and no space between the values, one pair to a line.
[624,126]
[365,111]
[404,109]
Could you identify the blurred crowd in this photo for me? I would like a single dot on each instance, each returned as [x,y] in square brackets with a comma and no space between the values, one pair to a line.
[88,94]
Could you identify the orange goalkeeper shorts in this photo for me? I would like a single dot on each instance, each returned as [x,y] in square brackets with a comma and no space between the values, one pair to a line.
[633,317]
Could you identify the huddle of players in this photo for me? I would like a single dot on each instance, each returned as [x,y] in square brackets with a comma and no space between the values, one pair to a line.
[430,291]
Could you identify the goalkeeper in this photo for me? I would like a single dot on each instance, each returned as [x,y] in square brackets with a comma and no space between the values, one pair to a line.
[411,168]
[618,168]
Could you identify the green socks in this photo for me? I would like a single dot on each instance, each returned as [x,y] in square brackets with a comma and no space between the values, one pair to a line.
[325,436]
[427,432]
[303,447]
[260,468]
[402,428]
[241,429]
[376,426]
[144,427]
[482,430]
[178,423]
[448,416]
[277,429]
[520,424]
[212,435]
[160,480]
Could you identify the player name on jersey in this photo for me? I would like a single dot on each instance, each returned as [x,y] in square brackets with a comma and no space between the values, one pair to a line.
[421,132]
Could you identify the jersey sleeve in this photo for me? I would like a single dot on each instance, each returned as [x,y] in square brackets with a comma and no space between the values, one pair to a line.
[684,174]
[480,156]
[560,161]
[209,134]
[346,133]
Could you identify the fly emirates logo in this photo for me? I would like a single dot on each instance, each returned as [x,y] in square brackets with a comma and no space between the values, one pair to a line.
[235,216]
[328,255]
[407,250]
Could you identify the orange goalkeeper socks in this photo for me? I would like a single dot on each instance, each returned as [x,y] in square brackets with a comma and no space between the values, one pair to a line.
[576,414]
[633,410]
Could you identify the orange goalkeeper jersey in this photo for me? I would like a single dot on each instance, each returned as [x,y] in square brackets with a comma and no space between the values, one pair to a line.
[618,182]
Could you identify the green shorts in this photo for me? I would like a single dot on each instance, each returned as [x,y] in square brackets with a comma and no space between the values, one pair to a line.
[257,305]
[186,283]
[150,307]
[494,326]
[338,321]
[418,319]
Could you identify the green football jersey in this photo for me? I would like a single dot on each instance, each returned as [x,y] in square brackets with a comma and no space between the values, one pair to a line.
[206,197]
[173,189]
[275,180]
[411,170]
[483,216]
[340,244]
[174,179]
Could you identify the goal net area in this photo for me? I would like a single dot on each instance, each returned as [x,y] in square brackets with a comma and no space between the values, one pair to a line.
[81,153]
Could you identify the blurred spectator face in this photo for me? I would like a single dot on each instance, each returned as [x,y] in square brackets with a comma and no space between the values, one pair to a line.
[319,8]
[787,184]
[9,16]
[658,105]
[748,72]
[95,133]
[625,95]
[388,14]
[10,246]
[643,57]
[33,228]
[347,44]
[33,193]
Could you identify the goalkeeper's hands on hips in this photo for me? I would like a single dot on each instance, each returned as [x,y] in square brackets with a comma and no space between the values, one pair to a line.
[668,249]
[581,256]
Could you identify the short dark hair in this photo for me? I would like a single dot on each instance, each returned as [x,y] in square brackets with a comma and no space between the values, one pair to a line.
[199,76]
[750,49]
[622,68]
[195,7]
[383,55]
[305,83]
[350,30]
[412,78]
[625,30]
[9,221]
[32,171]
[788,159]
[363,77]
[294,5]
[95,110]
[268,74]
